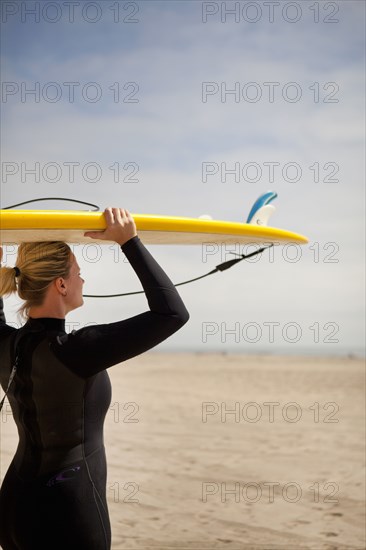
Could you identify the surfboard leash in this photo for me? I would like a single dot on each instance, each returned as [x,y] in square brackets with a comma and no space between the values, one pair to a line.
[94,206]
[221,267]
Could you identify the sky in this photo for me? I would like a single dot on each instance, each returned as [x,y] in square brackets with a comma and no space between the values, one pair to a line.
[186,108]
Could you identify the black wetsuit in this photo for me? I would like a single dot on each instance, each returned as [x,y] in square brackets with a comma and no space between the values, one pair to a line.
[53,495]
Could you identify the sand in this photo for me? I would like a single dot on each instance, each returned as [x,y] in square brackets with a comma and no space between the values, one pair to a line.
[285,469]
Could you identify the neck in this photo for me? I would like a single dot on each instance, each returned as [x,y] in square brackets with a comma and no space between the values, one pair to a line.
[57,312]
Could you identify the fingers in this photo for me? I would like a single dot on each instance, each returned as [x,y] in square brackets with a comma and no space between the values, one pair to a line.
[108,215]
[118,215]
[122,213]
[120,226]
[114,215]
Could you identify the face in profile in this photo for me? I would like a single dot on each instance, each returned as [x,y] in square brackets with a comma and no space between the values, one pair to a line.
[74,286]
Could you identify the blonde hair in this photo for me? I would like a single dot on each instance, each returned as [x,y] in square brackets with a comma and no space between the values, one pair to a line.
[39,263]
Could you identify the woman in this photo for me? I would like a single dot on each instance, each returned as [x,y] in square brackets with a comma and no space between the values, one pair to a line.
[53,495]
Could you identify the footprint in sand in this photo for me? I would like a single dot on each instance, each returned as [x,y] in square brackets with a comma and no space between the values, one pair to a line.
[330,534]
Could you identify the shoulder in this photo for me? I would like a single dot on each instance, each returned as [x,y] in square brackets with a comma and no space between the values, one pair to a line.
[81,350]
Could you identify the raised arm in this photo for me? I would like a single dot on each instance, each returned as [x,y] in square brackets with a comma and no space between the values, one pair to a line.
[95,348]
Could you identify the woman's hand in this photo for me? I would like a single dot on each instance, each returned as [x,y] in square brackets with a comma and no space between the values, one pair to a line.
[121,227]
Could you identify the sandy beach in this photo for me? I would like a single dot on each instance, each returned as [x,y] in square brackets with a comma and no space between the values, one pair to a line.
[224,451]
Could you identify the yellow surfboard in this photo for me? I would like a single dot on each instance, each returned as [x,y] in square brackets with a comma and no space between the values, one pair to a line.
[18,226]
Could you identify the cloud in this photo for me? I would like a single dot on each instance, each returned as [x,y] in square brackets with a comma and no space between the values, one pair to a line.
[171,131]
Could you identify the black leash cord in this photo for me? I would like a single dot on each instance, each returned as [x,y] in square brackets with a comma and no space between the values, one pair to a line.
[220,267]
[95,207]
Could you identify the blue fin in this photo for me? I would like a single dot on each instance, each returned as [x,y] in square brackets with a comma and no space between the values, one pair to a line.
[264,199]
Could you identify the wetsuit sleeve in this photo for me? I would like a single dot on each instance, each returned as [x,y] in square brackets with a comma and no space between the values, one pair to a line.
[95,348]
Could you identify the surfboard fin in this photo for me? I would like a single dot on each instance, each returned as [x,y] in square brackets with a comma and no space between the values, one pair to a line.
[261,210]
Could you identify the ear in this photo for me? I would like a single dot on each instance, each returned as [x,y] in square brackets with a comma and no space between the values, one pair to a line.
[60,284]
